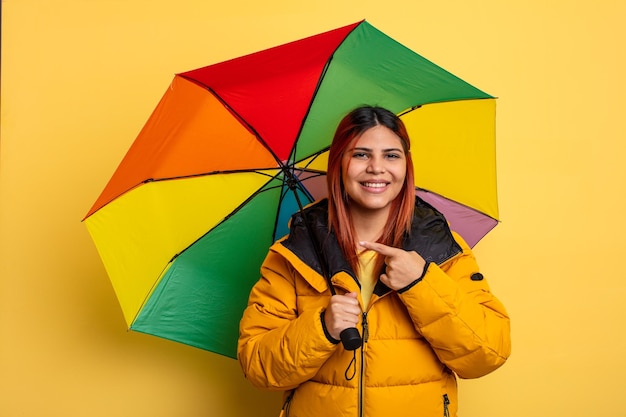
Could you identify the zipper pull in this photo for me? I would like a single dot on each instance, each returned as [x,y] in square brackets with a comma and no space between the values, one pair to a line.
[366,332]
[446,403]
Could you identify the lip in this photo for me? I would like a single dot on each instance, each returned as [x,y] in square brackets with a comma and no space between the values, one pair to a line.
[375,186]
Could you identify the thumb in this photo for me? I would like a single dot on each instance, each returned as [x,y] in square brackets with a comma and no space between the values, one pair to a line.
[385,279]
[351,294]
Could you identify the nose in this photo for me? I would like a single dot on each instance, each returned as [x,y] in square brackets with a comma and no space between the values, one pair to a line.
[376,165]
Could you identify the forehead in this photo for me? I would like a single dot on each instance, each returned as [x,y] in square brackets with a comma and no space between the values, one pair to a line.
[378,137]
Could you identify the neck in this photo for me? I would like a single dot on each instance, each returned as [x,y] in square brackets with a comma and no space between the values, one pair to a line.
[369,225]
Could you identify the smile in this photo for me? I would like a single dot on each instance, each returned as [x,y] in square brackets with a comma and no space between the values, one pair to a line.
[374,184]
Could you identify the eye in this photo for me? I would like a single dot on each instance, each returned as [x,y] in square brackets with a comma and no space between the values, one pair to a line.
[360,155]
[393,155]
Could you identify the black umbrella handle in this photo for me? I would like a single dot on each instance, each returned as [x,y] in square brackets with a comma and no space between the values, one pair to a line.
[350,338]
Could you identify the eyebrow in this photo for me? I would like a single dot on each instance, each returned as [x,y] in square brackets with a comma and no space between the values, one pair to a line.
[358,148]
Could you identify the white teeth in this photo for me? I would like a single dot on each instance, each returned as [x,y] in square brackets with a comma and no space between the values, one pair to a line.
[374,184]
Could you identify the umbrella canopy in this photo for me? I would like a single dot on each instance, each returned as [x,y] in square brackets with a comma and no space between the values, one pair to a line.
[211,181]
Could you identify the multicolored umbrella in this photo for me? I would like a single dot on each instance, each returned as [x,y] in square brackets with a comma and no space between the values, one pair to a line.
[185,222]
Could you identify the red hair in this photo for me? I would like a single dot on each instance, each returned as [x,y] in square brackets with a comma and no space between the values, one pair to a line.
[398,224]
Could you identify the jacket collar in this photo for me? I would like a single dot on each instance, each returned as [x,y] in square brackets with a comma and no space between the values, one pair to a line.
[430,237]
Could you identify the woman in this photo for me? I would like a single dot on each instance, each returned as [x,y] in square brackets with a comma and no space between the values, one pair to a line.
[401,276]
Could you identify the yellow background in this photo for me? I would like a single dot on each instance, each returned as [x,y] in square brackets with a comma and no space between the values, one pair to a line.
[79,79]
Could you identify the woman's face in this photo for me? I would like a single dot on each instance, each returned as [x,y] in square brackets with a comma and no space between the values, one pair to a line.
[373,170]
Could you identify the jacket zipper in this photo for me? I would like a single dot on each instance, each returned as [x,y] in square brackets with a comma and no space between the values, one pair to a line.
[284,412]
[362,372]
[446,403]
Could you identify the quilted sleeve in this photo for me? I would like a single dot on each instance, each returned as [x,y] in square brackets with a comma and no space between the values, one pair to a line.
[278,348]
[466,325]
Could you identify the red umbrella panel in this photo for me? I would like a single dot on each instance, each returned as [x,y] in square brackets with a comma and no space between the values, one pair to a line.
[211,181]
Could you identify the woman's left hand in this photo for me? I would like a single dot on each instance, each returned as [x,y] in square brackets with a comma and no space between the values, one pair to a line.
[402,267]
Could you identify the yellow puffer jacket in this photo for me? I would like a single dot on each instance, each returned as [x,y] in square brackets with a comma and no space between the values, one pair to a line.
[415,340]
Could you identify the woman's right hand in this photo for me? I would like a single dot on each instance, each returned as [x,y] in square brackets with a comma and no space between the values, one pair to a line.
[342,312]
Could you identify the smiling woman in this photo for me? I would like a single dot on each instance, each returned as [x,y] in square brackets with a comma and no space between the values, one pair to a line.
[370,147]
[395,270]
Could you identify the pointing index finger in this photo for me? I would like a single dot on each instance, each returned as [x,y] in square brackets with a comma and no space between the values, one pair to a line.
[379,247]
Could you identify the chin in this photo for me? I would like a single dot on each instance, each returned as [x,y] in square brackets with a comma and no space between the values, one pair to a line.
[372,205]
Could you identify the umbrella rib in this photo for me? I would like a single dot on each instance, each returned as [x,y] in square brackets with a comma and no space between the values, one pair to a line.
[152,288]
[206,174]
[456,202]
[418,106]
[202,174]
[235,171]
[258,171]
[410,109]
[313,157]
[165,268]
[238,116]
[261,189]
[317,87]
[308,110]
